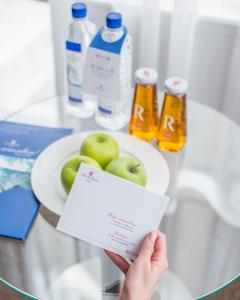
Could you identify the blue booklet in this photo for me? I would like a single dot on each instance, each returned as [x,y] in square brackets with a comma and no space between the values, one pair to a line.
[18,209]
[20,145]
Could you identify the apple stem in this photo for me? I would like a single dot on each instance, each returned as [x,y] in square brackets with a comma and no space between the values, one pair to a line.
[134,168]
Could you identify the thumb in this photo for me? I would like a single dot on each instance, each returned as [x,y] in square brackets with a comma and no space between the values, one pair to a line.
[147,246]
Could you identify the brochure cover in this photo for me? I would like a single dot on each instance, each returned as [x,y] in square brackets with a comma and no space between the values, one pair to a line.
[20,145]
[18,209]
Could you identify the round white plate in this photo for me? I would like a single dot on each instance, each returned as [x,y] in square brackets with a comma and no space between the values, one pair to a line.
[45,177]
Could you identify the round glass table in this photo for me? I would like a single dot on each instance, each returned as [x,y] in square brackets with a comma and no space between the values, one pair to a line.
[202,223]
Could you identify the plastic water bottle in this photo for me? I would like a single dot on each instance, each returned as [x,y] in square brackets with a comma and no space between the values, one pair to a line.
[79,36]
[114,114]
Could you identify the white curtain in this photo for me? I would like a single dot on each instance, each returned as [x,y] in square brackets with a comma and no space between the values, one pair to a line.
[181,39]
[149,38]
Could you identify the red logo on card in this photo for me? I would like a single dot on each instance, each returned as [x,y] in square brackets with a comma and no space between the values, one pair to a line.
[90,174]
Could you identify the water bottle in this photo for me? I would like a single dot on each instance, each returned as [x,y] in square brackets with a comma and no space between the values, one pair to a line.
[114,114]
[79,36]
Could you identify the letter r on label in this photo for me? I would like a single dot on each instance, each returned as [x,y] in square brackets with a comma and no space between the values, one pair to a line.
[138,112]
[168,122]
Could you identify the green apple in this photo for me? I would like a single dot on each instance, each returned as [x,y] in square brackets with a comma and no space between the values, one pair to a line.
[70,168]
[129,169]
[101,147]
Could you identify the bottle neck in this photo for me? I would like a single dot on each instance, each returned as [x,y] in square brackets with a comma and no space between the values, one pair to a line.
[112,34]
[113,29]
[79,20]
[172,97]
[146,85]
[145,93]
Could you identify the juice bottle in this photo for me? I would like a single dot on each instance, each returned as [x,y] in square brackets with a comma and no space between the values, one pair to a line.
[172,129]
[143,122]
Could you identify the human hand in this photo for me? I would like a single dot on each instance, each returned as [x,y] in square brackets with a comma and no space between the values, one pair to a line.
[144,274]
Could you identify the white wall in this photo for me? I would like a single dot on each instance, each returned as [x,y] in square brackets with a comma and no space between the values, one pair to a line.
[27,72]
[215,61]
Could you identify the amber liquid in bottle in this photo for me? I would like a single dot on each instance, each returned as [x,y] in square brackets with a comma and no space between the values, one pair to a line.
[143,122]
[172,129]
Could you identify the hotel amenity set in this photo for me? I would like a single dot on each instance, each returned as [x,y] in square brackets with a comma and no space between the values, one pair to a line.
[107,187]
[99,76]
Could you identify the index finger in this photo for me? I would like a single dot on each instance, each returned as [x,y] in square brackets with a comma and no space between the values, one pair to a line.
[119,261]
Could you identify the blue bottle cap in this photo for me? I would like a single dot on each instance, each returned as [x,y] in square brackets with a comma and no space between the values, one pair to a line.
[79,10]
[114,20]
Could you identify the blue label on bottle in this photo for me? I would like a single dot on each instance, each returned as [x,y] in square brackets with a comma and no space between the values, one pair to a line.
[114,47]
[104,110]
[76,100]
[73,46]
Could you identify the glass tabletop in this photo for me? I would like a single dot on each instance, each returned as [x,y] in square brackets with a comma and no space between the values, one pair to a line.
[202,223]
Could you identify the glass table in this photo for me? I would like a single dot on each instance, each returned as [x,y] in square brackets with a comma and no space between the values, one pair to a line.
[202,223]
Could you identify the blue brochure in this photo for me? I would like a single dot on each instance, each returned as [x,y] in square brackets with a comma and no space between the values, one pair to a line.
[20,145]
[18,209]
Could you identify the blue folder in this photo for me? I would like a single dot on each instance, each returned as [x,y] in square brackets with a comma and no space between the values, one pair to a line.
[18,209]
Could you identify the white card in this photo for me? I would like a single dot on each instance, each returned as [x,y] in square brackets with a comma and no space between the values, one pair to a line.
[111,212]
[101,76]
[102,70]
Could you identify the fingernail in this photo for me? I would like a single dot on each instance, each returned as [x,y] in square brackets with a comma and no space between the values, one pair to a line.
[153,236]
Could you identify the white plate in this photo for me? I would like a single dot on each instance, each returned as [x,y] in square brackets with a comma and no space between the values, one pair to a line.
[45,177]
